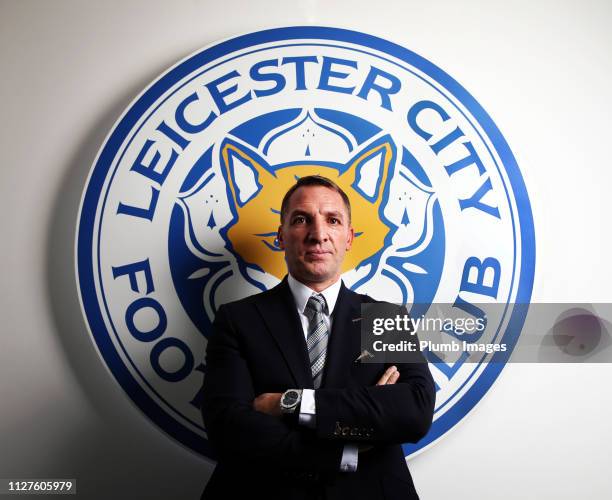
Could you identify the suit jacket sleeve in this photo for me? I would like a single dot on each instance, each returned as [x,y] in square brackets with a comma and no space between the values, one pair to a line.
[236,431]
[386,414]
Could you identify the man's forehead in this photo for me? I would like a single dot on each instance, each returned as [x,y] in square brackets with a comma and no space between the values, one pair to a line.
[317,198]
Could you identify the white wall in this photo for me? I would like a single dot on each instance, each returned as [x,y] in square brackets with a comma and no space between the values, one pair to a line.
[543,71]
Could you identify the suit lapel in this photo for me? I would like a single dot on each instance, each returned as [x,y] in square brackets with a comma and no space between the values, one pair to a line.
[345,341]
[282,321]
[281,318]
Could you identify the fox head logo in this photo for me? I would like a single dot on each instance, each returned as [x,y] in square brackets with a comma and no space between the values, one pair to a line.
[255,190]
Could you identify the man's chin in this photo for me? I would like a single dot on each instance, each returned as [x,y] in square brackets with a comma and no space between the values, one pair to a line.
[318,275]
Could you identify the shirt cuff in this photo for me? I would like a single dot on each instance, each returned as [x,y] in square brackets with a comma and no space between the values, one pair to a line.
[308,409]
[350,456]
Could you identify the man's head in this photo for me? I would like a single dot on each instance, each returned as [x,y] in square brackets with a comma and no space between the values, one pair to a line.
[315,230]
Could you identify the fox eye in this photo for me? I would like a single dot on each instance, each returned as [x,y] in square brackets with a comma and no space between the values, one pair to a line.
[270,240]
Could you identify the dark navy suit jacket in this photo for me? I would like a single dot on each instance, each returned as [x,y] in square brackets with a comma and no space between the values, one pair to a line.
[257,345]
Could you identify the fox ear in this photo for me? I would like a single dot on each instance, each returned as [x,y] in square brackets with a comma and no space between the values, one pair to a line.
[245,172]
[371,167]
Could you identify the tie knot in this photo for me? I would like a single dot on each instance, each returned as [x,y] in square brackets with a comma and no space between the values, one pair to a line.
[316,304]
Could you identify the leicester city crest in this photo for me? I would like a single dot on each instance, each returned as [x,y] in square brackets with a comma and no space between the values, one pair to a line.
[181,208]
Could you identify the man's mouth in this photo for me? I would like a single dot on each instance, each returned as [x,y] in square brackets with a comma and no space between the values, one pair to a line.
[317,254]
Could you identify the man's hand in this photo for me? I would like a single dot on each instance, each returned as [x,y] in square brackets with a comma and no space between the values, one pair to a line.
[390,376]
[268,402]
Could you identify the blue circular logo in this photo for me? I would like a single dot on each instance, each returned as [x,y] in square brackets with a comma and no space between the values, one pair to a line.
[180,211]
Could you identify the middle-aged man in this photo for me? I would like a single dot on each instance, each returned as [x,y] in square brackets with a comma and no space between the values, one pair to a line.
[289,407]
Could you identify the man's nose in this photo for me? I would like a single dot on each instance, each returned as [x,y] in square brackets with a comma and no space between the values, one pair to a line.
[318,231]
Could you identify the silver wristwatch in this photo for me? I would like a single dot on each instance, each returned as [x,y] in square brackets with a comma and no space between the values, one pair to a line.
[290,400]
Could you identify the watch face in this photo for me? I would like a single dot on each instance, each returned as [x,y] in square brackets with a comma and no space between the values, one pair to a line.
[290,398]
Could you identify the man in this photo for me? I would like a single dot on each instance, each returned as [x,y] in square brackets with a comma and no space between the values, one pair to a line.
[289,406]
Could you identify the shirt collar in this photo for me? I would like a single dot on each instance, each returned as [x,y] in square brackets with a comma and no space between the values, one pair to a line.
[301,293]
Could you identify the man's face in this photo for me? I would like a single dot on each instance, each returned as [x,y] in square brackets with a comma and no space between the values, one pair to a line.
[315,235]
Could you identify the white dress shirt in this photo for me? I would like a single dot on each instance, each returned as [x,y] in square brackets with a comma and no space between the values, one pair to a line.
[301,293]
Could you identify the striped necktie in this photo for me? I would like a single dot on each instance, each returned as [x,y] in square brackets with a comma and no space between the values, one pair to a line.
[318,334]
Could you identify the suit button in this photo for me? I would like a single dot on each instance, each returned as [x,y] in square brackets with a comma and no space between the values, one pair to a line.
[337,429]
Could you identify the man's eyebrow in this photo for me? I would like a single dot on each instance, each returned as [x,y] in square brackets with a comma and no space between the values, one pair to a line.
[297,211]
[331,213]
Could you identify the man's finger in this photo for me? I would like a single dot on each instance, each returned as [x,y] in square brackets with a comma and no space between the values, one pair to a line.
[385,377]
[364,447]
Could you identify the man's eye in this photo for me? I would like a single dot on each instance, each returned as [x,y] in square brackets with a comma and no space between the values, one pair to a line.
[333,220]
[299,219]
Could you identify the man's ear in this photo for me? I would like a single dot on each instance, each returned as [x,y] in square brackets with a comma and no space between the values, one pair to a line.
[351,237]
[245,172]
[279,238]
